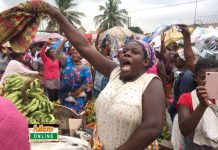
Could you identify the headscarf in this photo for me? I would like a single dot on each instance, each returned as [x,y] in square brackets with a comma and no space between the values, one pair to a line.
[19,24]
[150,52]
[14,131]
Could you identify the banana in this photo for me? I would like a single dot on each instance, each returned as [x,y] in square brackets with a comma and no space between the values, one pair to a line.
[11,76]
[17,88]
[31,86]
[34,107]
[48,109]
[6,94]
[14,83]
[25,113]
[31,104]
[30,120]
[12,80]
[36,83]
[37,113]
[42,120]
[14,94]
[19,106]
[44,109]
[36,95]
[51,105]
[45,97]
[40,106]
[53,120]
[44,103]
[40,91]
[47,119]
[18,102]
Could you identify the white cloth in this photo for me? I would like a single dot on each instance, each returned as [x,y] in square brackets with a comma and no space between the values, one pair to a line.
[206,133]
[15,67]
[119,109]
[177,138]
[34,61]
[180,52]
[65,143]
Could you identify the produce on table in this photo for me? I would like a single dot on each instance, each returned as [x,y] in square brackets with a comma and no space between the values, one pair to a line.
[29,98]
[90,112]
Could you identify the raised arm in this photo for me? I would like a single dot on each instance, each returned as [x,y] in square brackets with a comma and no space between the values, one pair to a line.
[80,42]
[61,57]
[97,41]
[42,52]
[153,106]
[163,50]
[188,52]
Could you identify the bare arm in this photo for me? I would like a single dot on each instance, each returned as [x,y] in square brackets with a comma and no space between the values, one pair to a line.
[153,106]
[188,52]
[102,64]
[163,50]
[61,57]
[189,121]
[42,52]
[97,42]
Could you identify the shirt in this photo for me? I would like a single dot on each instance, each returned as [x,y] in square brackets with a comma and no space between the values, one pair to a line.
[3,63]
[183,83]
[51,68]
[186,99]
[34,61]
[16,67]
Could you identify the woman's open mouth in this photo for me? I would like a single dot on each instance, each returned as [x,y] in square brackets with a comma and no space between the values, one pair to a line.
[125,66]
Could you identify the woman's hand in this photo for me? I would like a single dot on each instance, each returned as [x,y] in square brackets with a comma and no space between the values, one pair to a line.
[184,30]
[65,40]
[203,96]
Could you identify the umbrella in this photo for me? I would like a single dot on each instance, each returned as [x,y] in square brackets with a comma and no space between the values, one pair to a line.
[45,36]
[116,32]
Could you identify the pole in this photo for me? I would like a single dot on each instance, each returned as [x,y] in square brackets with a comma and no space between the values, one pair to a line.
[196,4]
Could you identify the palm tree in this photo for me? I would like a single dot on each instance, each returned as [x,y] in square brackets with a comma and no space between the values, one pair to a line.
[111,16]
[64,7]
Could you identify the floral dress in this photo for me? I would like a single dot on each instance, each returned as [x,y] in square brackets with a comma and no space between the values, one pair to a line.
[75,77]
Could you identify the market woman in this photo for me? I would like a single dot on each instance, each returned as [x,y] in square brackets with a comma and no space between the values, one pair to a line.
[51,73]
[130,110]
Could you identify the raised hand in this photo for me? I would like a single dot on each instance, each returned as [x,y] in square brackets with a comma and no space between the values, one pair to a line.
[184,30]
[203,96]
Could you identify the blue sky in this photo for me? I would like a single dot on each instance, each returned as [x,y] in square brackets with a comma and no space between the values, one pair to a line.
[148,19]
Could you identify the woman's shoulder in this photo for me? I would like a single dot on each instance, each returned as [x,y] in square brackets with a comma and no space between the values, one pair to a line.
[186,100]
[115,73]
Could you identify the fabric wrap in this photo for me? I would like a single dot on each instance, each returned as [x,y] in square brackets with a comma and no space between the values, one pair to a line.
[19,24]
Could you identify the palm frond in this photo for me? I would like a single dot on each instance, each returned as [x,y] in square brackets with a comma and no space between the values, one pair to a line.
[112,15]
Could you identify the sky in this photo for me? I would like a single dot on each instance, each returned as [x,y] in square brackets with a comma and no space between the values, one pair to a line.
[147,14]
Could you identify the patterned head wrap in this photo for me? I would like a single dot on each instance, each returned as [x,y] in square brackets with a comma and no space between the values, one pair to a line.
[150,52]
[19,24]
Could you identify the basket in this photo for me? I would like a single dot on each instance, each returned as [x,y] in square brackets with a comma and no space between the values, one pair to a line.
[24,89]
[62,115]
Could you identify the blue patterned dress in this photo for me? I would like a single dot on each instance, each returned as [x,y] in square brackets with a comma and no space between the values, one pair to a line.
[78,76]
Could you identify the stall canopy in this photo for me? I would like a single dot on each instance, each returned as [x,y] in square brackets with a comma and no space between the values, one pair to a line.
[44,36]
[117,32]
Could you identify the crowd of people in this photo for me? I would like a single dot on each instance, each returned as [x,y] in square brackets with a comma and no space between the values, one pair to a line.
[133,95]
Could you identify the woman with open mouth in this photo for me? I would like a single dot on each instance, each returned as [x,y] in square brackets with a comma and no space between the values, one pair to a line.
[130,110]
